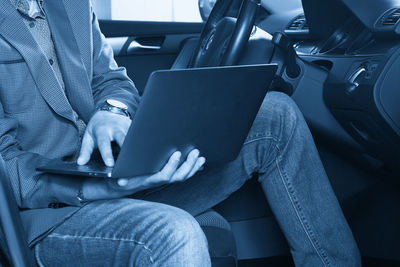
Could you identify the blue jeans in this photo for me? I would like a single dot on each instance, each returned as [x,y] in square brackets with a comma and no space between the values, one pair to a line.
[125,232]
[280,148]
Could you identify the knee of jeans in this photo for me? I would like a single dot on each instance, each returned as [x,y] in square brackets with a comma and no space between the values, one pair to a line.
[183,229]
[285,111]
[180,239]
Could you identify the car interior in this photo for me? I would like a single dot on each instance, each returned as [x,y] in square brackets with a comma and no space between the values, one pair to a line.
[339,61]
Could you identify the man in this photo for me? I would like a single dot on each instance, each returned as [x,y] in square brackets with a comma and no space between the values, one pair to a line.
[59,89]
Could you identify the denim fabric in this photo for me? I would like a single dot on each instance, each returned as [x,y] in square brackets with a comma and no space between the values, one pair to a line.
[280,148]
[125,232]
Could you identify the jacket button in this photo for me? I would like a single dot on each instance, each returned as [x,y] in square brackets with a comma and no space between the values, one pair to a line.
[51,61]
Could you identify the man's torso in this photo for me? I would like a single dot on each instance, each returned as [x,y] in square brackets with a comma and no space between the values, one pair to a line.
[22,95]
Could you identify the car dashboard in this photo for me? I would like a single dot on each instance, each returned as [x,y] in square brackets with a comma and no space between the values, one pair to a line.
[349,54]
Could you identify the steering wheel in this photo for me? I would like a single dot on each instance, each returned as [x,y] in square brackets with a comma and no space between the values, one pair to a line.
[224,38]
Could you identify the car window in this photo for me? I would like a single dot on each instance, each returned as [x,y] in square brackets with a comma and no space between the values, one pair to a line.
[148,10]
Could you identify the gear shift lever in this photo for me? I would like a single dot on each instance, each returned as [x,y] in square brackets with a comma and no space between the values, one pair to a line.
[283,42]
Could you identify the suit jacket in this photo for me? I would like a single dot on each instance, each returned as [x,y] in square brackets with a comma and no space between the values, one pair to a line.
[36,118]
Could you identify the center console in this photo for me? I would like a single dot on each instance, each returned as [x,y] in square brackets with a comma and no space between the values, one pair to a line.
[354,49]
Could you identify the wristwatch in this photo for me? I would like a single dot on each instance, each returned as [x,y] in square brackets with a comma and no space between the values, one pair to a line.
[116,107]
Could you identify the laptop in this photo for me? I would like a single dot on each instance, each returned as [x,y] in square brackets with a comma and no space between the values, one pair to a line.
[211,109]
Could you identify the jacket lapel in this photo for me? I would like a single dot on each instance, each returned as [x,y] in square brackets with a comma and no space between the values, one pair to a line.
[14,30]
[77,83]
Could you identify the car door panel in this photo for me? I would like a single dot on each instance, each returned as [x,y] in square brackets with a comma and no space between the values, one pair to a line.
[143,46]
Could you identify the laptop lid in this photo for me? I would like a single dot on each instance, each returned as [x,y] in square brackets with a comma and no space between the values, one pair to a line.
[211,109]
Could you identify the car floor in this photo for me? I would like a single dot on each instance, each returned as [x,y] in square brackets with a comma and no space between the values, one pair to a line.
[370,199]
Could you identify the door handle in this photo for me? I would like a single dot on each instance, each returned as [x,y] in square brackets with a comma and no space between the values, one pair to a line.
[135,46]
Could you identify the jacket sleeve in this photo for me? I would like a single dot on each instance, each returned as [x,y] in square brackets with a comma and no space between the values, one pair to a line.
[109,80]
[32,189]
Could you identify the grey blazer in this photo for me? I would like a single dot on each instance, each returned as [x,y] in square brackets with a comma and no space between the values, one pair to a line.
[36,119]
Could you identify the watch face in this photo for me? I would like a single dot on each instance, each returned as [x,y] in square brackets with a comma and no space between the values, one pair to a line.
[116,103]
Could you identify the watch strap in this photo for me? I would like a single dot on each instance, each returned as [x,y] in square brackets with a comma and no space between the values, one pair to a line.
[116,110]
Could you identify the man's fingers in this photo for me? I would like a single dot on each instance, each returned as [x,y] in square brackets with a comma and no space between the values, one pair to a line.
[119,137]
[86,149]
[199,164]
[162,176]
[170,173]
[186,167]
[170,168]
[104,145]
[123,182]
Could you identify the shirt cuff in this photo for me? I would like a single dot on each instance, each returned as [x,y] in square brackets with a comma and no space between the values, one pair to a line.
[65,190]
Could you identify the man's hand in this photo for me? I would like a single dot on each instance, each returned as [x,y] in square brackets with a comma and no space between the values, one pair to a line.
[103,128]
[171,173]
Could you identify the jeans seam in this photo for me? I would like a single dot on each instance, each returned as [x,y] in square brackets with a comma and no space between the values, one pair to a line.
[37,256]
[306,227]
[55,235]
[258,137]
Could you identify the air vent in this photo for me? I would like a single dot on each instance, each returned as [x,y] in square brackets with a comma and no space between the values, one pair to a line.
[298,24]
[391,18]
